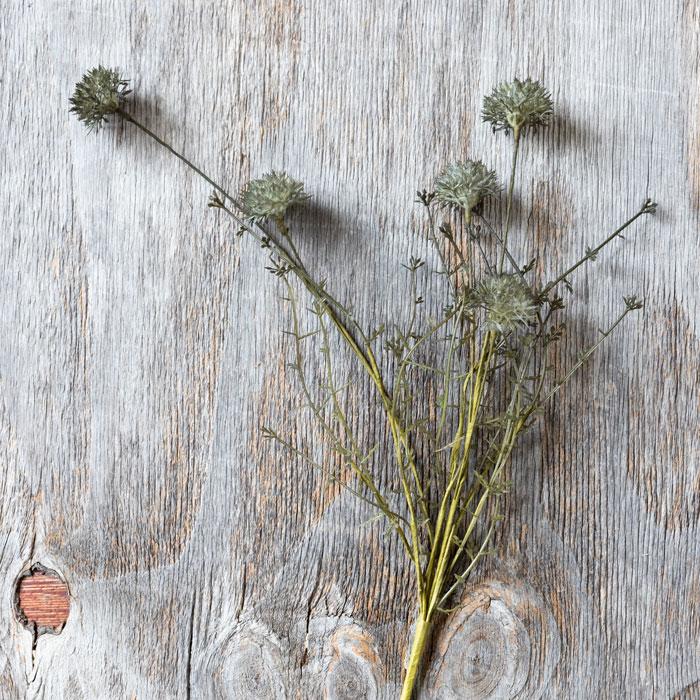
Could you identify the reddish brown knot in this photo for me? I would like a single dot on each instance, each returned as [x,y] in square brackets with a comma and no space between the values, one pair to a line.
[42,601]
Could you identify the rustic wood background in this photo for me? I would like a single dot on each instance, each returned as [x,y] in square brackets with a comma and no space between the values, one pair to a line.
[141,348]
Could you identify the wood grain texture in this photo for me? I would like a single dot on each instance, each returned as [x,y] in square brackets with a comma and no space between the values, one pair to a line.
[142,350]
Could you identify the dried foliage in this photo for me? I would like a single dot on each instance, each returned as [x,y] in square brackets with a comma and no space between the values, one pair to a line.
[487,354]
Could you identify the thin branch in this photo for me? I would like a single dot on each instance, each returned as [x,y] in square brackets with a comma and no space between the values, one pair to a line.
[647,208]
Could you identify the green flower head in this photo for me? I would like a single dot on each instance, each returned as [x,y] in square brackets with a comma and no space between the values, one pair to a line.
[507,300]
[520,105]
[101,92]
[270,196]
[464,186]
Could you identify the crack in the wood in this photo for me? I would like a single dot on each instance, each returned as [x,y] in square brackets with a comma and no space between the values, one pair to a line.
[309,608]
[189,646]
[244,584]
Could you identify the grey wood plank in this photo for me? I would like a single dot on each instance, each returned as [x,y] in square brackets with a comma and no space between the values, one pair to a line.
[142,349]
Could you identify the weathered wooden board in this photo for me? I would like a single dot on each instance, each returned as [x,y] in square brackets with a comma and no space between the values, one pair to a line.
[141,348]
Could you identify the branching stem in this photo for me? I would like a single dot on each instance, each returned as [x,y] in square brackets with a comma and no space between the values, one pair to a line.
[444,538]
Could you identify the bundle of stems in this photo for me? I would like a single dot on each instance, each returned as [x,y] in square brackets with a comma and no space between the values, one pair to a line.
[486,353]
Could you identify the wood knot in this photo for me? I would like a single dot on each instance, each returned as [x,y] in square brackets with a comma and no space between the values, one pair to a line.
[250,666]
[351,671]
[42,600]
[342,660]
[502,642]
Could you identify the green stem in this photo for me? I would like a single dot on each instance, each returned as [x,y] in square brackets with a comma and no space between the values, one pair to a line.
[364,355]
[420,638]
[444,539]
[311,285]
[591,254]
[284,230]
[511,187]
[127,117]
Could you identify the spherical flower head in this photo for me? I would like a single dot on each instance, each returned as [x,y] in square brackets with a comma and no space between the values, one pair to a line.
[507,300]
[520,105]
[464,186]
[270,196]
[101,92]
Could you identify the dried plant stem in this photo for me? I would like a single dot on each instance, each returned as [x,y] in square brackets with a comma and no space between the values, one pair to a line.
[498,326]
[408,473]
[591,253]
[421,634]
[128,118]
[441,560]
[511,188]
[448,507]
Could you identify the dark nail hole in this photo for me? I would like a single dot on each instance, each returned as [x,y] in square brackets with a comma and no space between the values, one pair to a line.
[42,600]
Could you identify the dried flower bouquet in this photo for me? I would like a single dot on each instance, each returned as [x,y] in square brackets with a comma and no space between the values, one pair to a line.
[486,354]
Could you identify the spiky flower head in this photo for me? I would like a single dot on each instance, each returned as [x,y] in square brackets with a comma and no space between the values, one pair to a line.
[100,92]
[270,196]
[507,300]
[520,105]
[464,186]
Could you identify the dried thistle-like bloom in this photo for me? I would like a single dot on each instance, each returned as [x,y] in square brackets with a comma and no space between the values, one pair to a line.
[270,196]
[464,185]
[100,92]
[518,105]
[507,300]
